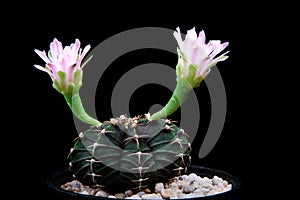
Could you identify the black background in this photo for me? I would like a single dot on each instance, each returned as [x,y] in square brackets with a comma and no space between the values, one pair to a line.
[43,125]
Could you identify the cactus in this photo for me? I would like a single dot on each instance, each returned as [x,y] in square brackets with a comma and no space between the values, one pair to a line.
[130,153]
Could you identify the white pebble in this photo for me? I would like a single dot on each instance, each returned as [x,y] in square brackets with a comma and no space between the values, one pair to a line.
[185,177]
[141,193]
[182,183]
[188,189]
[193,177]
[205,190]
[225,183]
[101,194]
[84,192]
[199,191]
[128,193]
[120,195]
[168,193]
[229,187]
[220,185]
[173,185]
[216,180]
[158,187]
[211,192]
[207,181]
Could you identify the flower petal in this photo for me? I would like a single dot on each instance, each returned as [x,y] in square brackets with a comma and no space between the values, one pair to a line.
[218,48]
[43,69]
[178,38]
[84,52]
[59,46]
[221,57]
[201,38]
[54,50]
[74,51]
[43,55]
[198,54]
[76,47]
[191,34]
[202,65]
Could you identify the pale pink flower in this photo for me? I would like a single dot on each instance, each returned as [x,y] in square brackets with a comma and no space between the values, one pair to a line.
[64,64]
[194,52]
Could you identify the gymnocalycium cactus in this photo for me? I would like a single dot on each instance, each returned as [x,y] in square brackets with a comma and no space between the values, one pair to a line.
[134,153]
[131,153]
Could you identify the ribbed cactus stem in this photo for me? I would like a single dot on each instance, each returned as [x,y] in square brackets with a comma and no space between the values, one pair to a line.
[180,94]
[77,108]
[132,153]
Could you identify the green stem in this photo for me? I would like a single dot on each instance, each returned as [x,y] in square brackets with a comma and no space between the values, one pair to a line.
[76,106]
[180,94]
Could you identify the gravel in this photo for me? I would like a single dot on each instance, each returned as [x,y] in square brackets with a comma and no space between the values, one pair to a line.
[181,187]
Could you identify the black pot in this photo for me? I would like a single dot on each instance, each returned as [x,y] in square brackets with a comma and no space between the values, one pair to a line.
[57,179]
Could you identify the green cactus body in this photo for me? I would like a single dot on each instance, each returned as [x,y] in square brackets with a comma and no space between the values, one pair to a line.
[130,153]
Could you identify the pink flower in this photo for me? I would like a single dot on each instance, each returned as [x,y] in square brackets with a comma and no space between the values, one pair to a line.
[64,65]
[196,57]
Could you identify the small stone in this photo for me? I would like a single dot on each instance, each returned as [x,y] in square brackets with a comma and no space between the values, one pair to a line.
[205,190]
[199,191]
[211,192]
[207,181]
[216,180]
[120,196]
[147,191]
[141,193]
[225,183]
[93,192]
[182,183]
[69,188]
[220,185]
[67,184]
[193,177]
[158,187]
[84,192]
[214,187]
[173,185]
[229,187]
[128,193]
[185,177]
[188,189]
[168,193]
[75,184]
[151,196]
[101,193]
